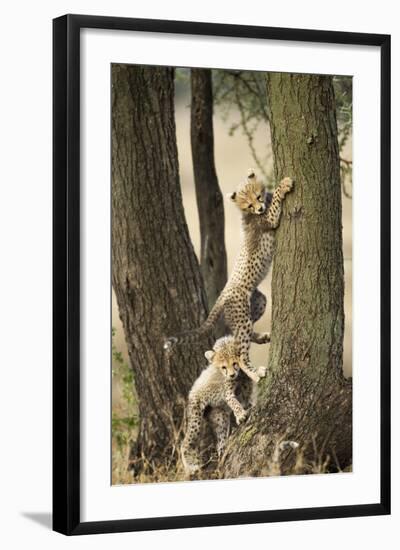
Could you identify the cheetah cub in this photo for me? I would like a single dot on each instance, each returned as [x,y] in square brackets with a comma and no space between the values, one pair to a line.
[220,389]
[241,303]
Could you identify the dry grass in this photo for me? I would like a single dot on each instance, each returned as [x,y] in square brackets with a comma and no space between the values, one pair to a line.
[320,463]
[120,474]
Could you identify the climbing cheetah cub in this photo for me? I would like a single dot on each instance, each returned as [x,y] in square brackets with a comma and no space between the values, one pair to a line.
[220,389]
[241,303]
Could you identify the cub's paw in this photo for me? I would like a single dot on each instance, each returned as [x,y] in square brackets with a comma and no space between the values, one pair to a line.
[261,371]
[265,338]
[241,417]
[286,185]
[253,376]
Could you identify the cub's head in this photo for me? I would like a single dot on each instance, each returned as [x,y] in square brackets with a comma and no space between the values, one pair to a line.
[225,356]
[250,196]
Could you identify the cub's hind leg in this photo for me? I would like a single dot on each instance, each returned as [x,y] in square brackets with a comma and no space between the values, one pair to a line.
[190,456]
[258,303]
[261,337]
[220,424]
[244,335]
[238,317]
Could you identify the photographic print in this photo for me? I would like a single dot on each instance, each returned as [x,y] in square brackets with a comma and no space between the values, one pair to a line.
[231,274]
[221,288]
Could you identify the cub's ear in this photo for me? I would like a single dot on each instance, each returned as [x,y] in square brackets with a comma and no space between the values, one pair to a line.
[251,175]
[209,355]
[231,196]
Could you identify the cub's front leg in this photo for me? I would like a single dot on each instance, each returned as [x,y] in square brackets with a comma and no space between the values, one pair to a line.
[237,408]
[275,208]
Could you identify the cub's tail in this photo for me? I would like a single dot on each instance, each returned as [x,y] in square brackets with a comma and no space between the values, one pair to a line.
[192,336]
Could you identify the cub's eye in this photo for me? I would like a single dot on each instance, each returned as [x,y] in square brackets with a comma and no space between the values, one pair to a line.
[223,368]
[259,198]
[250,206]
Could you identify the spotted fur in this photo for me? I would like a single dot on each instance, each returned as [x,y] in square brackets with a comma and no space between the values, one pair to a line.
[220,389]
[241,302]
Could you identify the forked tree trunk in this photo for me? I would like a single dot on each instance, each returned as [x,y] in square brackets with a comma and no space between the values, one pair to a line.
[208,194]
[155,273]
[304,397]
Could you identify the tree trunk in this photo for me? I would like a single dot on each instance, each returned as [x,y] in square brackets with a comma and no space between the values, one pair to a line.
[304,398]
[155,273]
[208,194]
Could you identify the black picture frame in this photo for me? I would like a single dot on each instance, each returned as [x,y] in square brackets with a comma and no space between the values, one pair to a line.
[66,273]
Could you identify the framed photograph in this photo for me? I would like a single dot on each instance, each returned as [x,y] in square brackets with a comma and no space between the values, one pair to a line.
[221,274]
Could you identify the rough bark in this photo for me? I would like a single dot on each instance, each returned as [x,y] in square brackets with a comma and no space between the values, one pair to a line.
[155,273]
[304,397]
[208,194]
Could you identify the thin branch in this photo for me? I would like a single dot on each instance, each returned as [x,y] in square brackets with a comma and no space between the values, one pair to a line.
[248,133]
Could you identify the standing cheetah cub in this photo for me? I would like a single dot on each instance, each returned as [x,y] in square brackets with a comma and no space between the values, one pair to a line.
[221,388]
[241,303]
